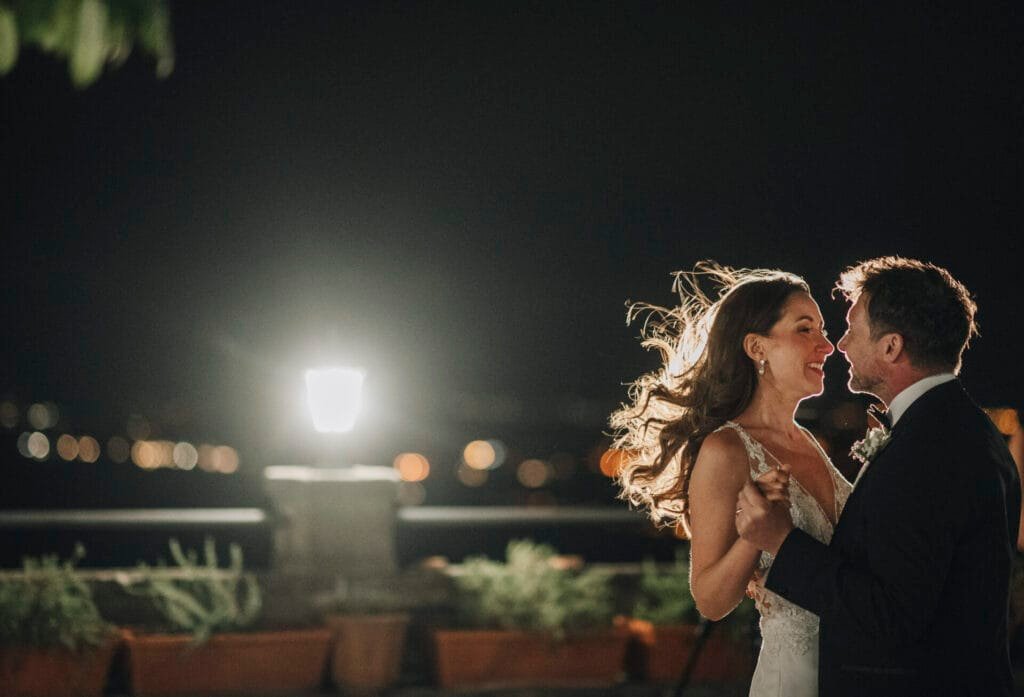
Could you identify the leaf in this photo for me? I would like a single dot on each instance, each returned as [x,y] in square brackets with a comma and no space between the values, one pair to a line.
[8,40]
[90,45]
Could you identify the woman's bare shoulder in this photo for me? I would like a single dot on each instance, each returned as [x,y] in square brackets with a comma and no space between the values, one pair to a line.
[722,453]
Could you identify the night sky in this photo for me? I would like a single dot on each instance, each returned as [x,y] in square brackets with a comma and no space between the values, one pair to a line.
[461,197]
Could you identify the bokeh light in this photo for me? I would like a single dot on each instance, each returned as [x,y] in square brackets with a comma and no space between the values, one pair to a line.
[471,477]
[38,446]
[23,444]
[225,459]
[43,415]
[67,447]
[533,473]
[185,456]
[118,450]
[612,460]
[412,467]
[8,414]
[479,455]
[88,449]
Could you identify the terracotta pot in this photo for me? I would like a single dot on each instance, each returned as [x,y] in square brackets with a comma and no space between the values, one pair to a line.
[661,652]
[367,650]
[496,658]
[26,672]
[229,663]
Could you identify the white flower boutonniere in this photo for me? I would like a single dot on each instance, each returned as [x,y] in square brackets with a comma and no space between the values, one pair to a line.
[875,439]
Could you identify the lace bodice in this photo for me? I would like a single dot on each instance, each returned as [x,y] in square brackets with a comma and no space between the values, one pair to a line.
[785,626]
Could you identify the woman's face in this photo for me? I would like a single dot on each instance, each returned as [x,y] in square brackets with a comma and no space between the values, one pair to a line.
[797,347]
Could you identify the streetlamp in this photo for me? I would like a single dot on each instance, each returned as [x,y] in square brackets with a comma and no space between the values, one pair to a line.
[335,396]
[341,516]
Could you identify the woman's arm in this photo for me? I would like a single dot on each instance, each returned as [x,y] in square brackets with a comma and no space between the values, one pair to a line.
[721,563]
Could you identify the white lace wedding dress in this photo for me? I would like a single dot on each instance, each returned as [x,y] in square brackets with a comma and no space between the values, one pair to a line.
[788,663]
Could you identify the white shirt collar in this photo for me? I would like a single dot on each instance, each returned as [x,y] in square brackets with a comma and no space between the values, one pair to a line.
[901,402]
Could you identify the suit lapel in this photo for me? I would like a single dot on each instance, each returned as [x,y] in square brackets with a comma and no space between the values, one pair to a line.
[916,414]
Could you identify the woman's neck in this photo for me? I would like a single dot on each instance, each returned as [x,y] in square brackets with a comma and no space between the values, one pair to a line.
[771,410]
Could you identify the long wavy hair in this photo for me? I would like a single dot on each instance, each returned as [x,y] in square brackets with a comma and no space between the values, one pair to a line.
[705,378]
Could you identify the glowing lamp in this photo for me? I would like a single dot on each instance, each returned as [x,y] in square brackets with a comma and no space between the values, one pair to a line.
[335,396]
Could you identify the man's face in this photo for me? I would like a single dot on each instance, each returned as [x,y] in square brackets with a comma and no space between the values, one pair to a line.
[861,351]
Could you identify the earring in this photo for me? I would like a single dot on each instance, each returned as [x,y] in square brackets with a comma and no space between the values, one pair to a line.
[760,366]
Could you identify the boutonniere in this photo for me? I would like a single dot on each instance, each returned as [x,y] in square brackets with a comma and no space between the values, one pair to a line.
[866,448]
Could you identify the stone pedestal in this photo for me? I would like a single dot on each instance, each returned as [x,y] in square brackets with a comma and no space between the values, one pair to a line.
[338,521]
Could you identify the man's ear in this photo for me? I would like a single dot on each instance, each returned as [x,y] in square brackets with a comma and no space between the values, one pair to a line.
[753,346]
[892,347]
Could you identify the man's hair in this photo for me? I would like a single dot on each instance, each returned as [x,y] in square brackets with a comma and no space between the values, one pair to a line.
[931,310]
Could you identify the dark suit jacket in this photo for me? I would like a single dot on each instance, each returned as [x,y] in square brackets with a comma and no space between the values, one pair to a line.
[913,590]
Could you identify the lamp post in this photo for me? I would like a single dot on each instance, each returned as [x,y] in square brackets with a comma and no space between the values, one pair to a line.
[339,517]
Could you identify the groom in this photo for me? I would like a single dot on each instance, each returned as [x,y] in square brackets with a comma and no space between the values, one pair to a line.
[912,591]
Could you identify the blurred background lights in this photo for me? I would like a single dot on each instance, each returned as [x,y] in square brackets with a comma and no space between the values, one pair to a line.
[23,444]
[471,477]
[8,414]
[38,446]
[533,473]
[335,397]
[479,455]
[225,459]
[43,415]
[412,467]
[88,449]
[185,456]
[118,450]
[611,462]
[67,447]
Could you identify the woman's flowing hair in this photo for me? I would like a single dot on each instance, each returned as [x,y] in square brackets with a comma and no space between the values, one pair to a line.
[704,380]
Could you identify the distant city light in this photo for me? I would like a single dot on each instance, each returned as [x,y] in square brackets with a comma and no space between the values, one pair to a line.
[335,398]
[471,477]
[533,473]
[185,456]
[43,415]
[412,467]
[479,455]
[8,414]
[38,446]
[88,449]
[67,447]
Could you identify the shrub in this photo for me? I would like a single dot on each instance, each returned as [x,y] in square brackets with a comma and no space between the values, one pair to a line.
[200,598]
[532,590]
[49,605]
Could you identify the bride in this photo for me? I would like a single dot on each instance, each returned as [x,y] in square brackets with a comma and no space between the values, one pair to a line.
[719,412]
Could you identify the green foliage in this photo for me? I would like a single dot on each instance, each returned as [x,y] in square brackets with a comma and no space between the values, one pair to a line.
[87,33]
[201,598]
[664,594]
[49,605]
[531,590]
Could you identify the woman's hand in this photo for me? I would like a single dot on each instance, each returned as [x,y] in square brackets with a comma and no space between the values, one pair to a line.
[774,484]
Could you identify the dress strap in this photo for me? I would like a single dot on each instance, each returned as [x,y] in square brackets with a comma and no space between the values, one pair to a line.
[758,464]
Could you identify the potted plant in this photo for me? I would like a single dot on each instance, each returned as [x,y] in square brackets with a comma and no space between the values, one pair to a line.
[210,642]
[536,619]
[665,626]
[53,641]
[369,620]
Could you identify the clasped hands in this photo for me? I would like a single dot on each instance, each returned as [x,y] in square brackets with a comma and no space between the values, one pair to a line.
[762,510]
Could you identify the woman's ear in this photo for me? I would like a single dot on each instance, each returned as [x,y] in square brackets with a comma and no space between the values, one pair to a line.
[753,346]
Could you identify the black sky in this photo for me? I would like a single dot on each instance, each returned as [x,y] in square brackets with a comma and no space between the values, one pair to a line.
[460,197]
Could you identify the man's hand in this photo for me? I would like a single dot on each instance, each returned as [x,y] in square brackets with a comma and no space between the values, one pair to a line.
[762,523]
